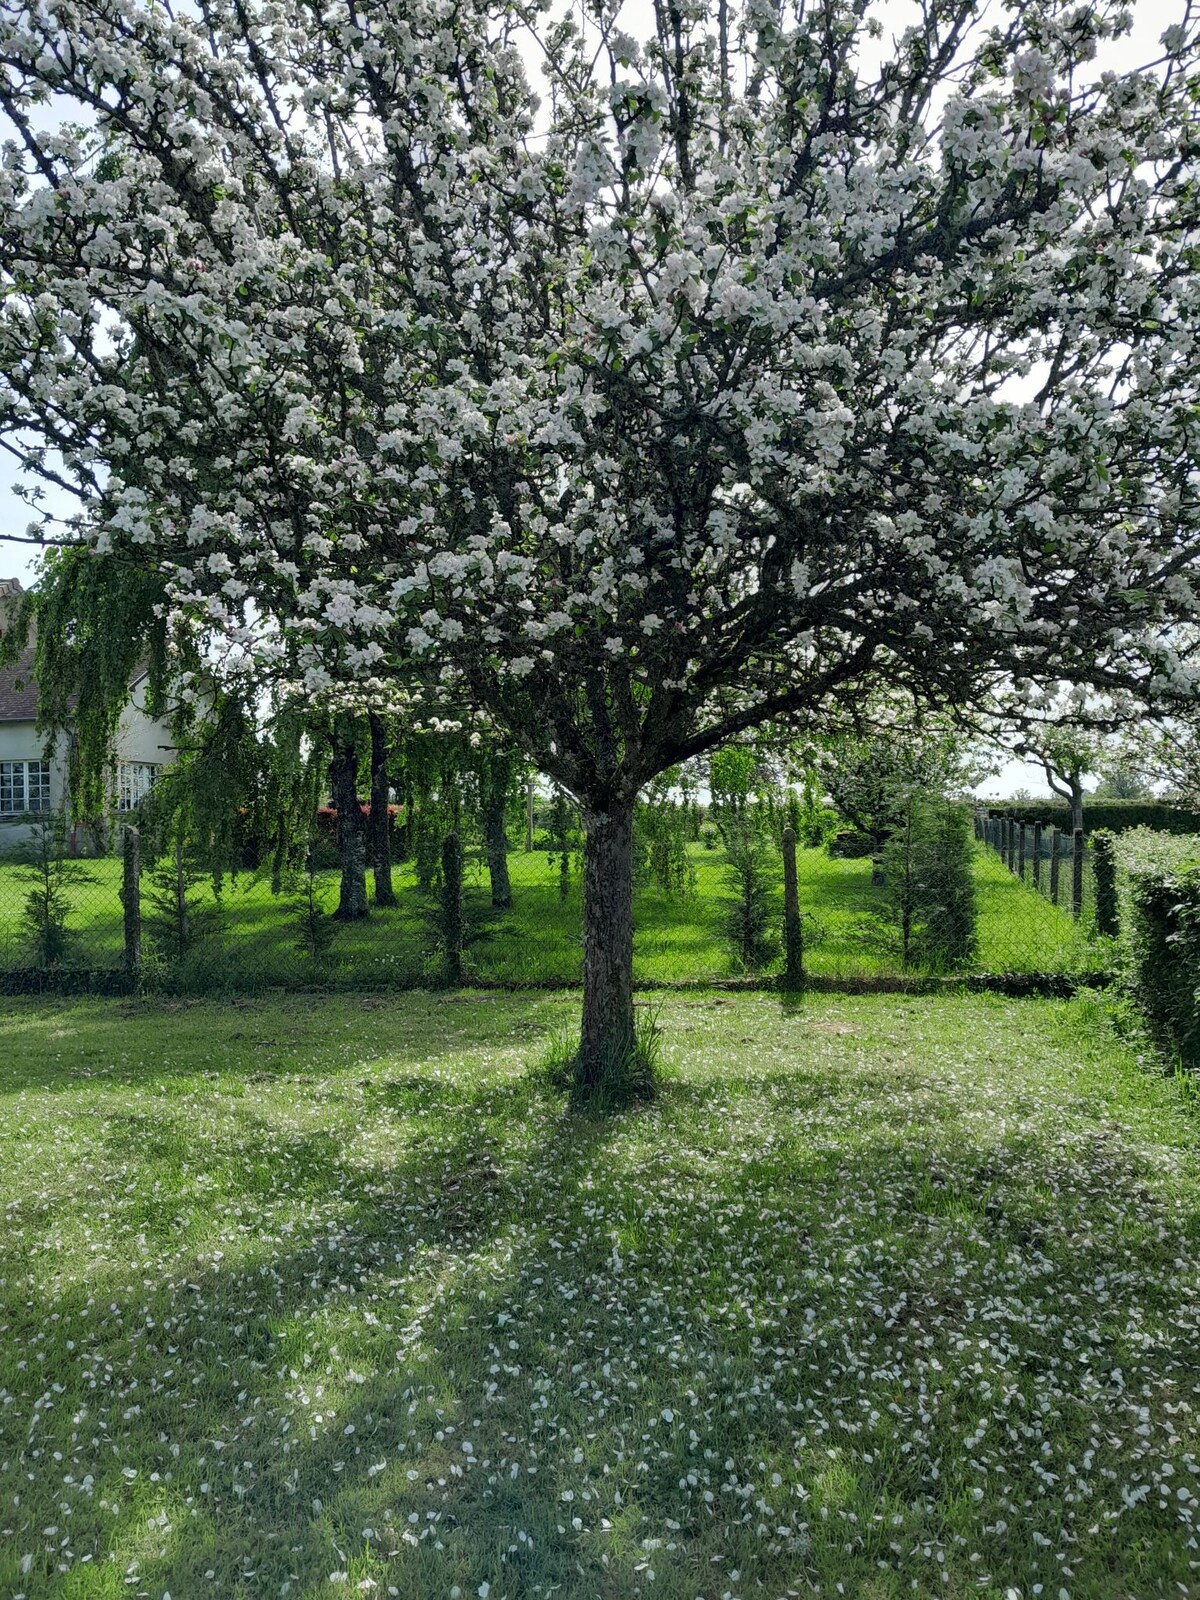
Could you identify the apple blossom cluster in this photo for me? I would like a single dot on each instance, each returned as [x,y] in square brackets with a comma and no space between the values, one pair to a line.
[726,379]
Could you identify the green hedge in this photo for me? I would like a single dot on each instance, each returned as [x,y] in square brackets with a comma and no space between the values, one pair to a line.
[1118,816]
[1160,937]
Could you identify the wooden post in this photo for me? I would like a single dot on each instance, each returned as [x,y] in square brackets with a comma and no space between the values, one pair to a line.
[1011,848]
[1037,855]
[131,897]
[793,935]
[1077,873]
[1021,851]
[529,812]
[1055,836]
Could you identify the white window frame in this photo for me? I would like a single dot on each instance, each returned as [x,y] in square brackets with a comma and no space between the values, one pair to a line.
[24,788]
[135,780]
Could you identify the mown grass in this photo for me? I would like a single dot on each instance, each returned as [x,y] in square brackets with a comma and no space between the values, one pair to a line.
[846,927]
[880,1297]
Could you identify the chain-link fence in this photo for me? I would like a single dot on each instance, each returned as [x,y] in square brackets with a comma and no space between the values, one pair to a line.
[116,921]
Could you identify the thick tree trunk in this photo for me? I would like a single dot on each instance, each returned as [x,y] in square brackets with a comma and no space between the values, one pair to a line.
[608,1031]
[351,831]
[496,841]
[380,821]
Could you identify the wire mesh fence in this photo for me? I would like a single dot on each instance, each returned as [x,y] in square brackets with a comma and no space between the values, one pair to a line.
[116,921]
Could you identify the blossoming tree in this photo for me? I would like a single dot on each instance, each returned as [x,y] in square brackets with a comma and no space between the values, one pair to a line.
[732,377]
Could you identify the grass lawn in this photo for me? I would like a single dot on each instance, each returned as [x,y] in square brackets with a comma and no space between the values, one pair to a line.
[884,1296]
[846,933]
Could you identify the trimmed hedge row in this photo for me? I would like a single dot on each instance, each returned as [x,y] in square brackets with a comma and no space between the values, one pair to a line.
[1160,937]
[1118,816]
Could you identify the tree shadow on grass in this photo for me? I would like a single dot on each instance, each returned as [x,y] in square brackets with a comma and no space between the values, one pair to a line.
[477,1267]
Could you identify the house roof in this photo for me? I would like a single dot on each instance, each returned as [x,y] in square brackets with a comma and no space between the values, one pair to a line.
[18,690]
[18,686]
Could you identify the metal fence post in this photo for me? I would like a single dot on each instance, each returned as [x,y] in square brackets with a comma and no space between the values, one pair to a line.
[131,897]
[793,938]
[1037,855]
[1054,860]
[1077,873]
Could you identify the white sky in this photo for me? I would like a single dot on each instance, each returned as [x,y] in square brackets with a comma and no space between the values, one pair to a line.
[1151,17]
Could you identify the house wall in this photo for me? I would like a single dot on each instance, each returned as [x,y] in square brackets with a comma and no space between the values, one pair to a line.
[20,741]
[140,737]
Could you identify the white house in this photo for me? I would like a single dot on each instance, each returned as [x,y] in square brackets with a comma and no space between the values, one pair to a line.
[33,780]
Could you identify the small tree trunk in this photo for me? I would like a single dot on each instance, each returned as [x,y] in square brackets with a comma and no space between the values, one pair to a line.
[793,939]
[1076,782]
[380,822]
[495,838]
[181,903]
[351,831]
[131,899]
[529,813]
[607,1031]
[452,919]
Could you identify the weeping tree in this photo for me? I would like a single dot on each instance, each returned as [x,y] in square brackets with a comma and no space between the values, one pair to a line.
[750,369]
[380,816]
[499,773]
[351,821]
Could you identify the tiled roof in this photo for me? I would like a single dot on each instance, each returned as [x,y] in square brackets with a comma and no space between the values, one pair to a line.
[18,687]
[18,690]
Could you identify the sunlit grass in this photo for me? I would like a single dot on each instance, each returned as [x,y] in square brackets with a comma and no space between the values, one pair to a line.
[847,929]
[318,1298]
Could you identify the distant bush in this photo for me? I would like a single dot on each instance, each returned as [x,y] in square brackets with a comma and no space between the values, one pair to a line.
[748,914]
[1118,816]
[1160,937]
[930,885]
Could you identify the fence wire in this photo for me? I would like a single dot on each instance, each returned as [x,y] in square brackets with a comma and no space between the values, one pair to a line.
[67,923]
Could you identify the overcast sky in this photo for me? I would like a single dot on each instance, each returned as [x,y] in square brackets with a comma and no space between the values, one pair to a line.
[1151,17]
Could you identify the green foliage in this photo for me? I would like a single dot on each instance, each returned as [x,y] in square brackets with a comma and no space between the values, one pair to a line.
[1116,816]
[662,831]
[631,1074]
[929,883]
[451,908]
[1104,868]
[749,912]
[873,778]
[316,928]
[731,779]
[96,621]
[181,917]
[47,905]
[565,837]
[1160,938]
[813,821]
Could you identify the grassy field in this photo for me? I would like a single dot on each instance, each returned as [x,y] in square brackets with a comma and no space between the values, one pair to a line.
[846,934]
[883,1296]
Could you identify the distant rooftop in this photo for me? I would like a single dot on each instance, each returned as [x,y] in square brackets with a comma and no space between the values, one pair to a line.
[18,687]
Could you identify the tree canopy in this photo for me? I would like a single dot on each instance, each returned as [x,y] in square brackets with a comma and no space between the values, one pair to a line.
[728,379]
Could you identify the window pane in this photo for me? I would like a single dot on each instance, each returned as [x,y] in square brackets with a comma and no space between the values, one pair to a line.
[135,779]
[38,784]
[12,786]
